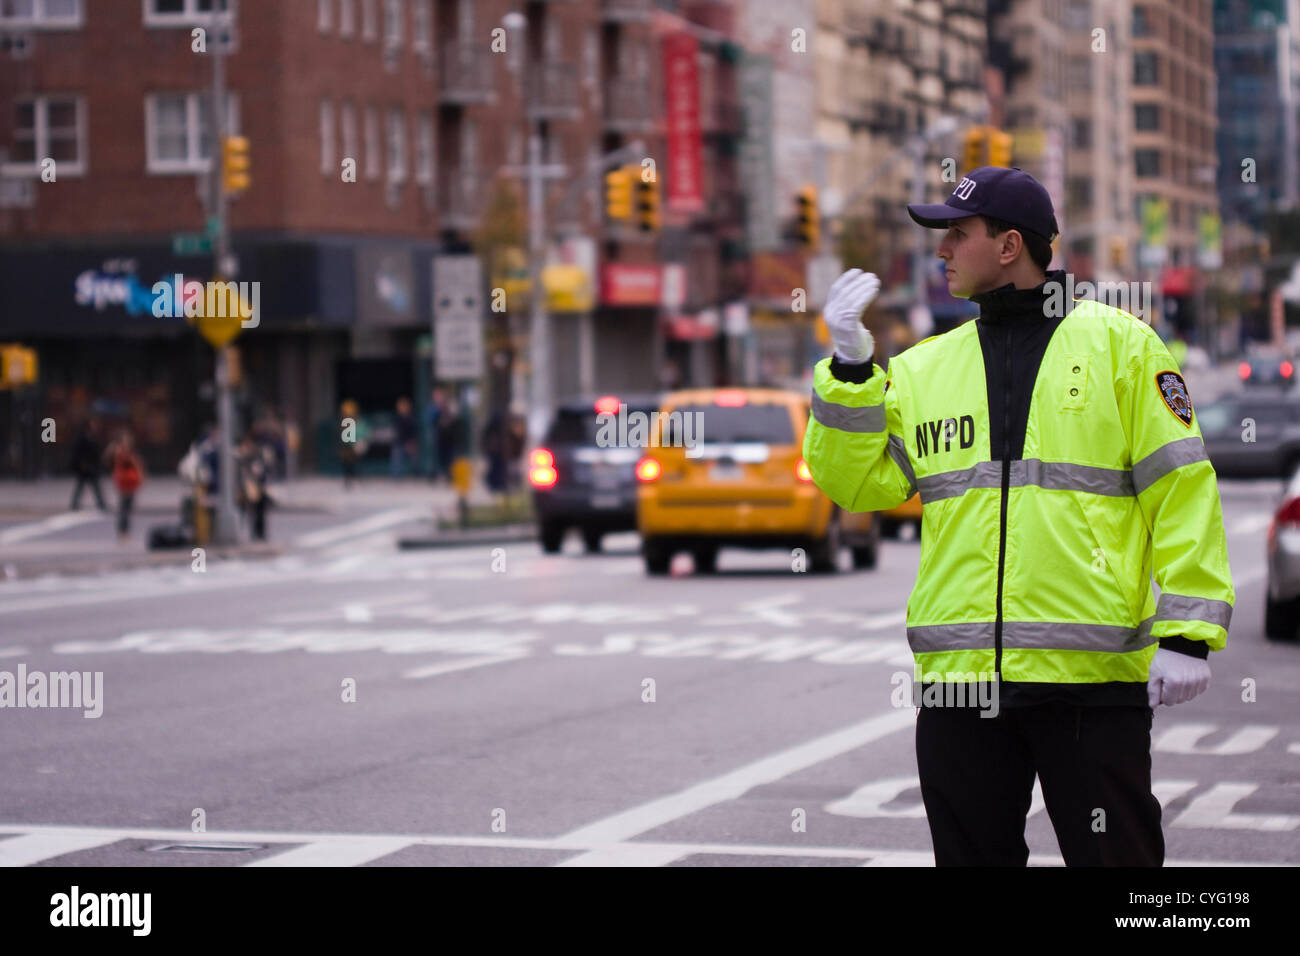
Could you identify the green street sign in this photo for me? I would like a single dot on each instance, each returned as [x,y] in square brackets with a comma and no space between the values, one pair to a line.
[191,244]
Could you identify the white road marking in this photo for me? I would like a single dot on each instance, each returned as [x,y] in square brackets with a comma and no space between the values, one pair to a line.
[58,837]
[34,847]
[1213,810]
[1293,748]
[626,854]
[12,651]
[367,525]
[1182,739]
[62,522]
[628,823]
[433,670]
[335,853]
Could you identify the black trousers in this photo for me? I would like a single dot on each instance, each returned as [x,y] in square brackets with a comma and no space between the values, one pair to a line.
[1094,764]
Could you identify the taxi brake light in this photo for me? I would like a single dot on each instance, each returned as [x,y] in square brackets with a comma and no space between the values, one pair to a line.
[802,471]
[648,469]
[1243,370]
[607,405]
[1287,369]
[732,398]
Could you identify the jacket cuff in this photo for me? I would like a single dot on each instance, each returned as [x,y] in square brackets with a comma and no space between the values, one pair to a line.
[1183,646]
[856,372]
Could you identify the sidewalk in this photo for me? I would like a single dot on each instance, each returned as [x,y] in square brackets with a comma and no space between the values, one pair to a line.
[162,495]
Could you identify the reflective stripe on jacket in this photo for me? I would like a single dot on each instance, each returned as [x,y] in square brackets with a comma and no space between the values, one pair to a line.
[1041,529]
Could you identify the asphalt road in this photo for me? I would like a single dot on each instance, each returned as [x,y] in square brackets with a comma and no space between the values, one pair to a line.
[502,714]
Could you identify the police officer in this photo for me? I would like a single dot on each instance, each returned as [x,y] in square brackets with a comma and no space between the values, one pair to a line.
[1060,465]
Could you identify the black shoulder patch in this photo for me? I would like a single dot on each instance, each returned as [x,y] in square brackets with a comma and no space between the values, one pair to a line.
[1174,391]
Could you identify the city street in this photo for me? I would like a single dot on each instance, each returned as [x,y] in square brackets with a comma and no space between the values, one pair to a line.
[347,703]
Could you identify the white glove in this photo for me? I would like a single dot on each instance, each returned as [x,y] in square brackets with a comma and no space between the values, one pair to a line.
[1175,678]
[849,297]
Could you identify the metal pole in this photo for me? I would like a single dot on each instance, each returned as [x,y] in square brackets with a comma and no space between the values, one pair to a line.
[539,345]
[920,293]
[227,530]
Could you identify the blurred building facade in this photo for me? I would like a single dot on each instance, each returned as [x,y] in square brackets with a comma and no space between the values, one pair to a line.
[435,121]
[1099,169]
[885,74]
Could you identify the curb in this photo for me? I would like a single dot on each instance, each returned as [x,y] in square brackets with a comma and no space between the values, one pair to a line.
[101,563]
[502,534]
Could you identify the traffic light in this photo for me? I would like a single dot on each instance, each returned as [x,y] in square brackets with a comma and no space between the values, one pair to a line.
[999,148]
[618,194]
[647,204]
[1118,252]
[234,164]
[977,138]
[808,223]
[17,366]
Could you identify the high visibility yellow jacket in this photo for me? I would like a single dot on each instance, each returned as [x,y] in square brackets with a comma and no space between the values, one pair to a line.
[1059,463]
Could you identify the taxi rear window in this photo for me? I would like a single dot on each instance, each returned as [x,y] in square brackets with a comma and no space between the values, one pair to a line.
[722,424]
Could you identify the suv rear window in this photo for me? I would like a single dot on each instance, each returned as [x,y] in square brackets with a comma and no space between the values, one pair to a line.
[725,424]
[572,427]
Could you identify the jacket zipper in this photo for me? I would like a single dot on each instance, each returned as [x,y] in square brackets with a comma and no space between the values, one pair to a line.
[1006,485]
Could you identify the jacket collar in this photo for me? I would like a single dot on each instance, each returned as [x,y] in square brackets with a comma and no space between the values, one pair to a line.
[1009,304]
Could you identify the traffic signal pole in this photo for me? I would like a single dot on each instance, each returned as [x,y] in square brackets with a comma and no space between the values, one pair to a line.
[227,529]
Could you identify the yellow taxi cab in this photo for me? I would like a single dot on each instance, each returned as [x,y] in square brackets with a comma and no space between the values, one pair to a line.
[908,513]
[724,468]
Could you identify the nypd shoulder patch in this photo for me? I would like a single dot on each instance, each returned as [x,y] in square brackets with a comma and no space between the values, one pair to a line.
[1174,391]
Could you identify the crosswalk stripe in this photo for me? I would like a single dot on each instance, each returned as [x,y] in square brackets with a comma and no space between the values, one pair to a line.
[33,847]
[335,853]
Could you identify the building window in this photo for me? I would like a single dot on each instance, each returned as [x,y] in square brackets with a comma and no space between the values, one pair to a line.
[393,23]
[1146,116]
[421,26]
[1147,162]
[327,137]
[372,143]
[1081,133]
[424,149]
[1079,192]
[396,146]
[1141,21]
[1146,68]
[166,13]
[324,11]
[48,127]
[347,18]
[348,130]
[1079,73]
[178,131]
[40,13]
[369,21]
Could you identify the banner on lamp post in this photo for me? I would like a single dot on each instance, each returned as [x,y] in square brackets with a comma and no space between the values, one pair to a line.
[685,191]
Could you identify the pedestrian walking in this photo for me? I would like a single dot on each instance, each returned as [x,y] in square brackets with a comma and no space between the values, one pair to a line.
[253,465]
[496,440]
[406,440]
[448,431]
[352,441]
[128,475]
[87,458]
[1060,464]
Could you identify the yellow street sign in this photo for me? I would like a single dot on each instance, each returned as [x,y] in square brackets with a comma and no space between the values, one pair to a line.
[220,312]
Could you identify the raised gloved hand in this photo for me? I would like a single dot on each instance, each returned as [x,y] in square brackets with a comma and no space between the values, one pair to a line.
[849,297]
[1175,678]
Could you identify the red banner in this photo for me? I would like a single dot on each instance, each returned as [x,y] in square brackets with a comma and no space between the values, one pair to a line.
[629,284]
[685,192]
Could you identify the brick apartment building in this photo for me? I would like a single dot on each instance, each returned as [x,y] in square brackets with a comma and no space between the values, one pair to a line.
[435,119]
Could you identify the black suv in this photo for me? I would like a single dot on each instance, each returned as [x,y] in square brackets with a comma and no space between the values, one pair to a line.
[583,474]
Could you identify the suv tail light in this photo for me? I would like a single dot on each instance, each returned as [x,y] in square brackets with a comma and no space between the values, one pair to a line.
[1243,370]
[1286,369]
[1289,513]
[541,468]
[648,469]
[801,470]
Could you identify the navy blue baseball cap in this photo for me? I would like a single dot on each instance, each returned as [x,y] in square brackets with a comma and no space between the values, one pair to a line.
[995,192]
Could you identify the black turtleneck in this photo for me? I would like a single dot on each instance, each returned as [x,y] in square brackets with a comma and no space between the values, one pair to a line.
[1014,328]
